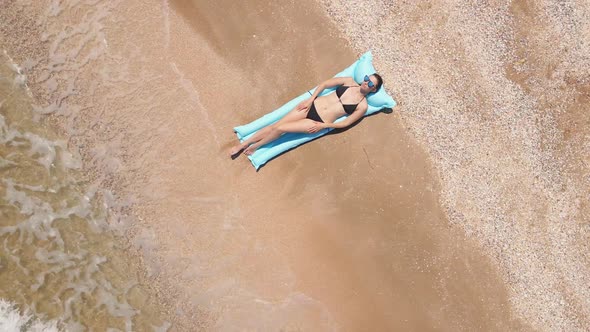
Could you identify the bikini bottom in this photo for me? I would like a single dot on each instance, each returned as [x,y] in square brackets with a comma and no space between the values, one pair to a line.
[312,114]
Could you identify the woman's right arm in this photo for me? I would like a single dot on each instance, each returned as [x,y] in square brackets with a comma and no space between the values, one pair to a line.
[335,81]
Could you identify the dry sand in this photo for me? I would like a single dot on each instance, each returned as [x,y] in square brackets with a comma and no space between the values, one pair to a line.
[497,93]
[349,232]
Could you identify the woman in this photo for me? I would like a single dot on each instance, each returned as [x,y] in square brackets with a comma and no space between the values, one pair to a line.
[316,113]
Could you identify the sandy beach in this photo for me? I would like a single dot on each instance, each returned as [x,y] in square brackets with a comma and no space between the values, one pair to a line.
[465,209]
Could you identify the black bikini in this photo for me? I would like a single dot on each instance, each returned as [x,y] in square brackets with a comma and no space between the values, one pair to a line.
[349,109]
[312,114]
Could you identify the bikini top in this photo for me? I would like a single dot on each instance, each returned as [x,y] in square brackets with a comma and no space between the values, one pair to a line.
[349,108]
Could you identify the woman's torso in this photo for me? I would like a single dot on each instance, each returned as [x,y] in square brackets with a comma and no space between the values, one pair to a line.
[330,107]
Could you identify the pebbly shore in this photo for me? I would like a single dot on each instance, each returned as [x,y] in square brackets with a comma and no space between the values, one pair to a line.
[497,93]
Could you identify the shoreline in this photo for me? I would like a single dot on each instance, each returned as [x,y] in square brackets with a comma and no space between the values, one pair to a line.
[71,221]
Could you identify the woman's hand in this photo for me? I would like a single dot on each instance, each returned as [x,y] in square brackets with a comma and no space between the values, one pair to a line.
[317,126]
[304,105]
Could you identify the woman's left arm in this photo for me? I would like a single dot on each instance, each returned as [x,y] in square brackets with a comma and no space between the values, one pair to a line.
[354,117]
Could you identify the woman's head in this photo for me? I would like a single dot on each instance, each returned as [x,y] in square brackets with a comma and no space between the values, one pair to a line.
[372,83]
[379,81]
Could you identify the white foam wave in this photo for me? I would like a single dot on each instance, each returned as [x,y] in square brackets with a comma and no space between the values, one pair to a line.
[11,319]
[46,151]
[53,238]
[20,78]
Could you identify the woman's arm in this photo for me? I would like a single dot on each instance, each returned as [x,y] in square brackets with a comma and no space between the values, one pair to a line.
[335,81]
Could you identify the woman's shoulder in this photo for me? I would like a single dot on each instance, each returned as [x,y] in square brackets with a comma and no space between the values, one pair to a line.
[349,81]
[336,81]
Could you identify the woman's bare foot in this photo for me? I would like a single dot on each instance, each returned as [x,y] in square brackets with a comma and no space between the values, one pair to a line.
[250,150]
[234,151]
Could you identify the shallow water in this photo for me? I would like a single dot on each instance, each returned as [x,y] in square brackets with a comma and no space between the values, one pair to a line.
[61,259]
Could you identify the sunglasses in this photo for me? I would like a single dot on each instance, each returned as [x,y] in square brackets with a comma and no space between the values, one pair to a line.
[370,83]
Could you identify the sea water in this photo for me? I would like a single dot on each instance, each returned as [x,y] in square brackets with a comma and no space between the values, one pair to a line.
[63,259]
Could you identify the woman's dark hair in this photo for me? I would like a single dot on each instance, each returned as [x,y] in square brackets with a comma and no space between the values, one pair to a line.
[379,81]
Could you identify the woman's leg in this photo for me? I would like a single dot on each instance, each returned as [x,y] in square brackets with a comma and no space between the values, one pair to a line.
[293,115]
[298,126]
[254,138]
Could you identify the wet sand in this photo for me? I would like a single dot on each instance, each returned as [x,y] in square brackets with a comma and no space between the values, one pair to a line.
[349,232]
